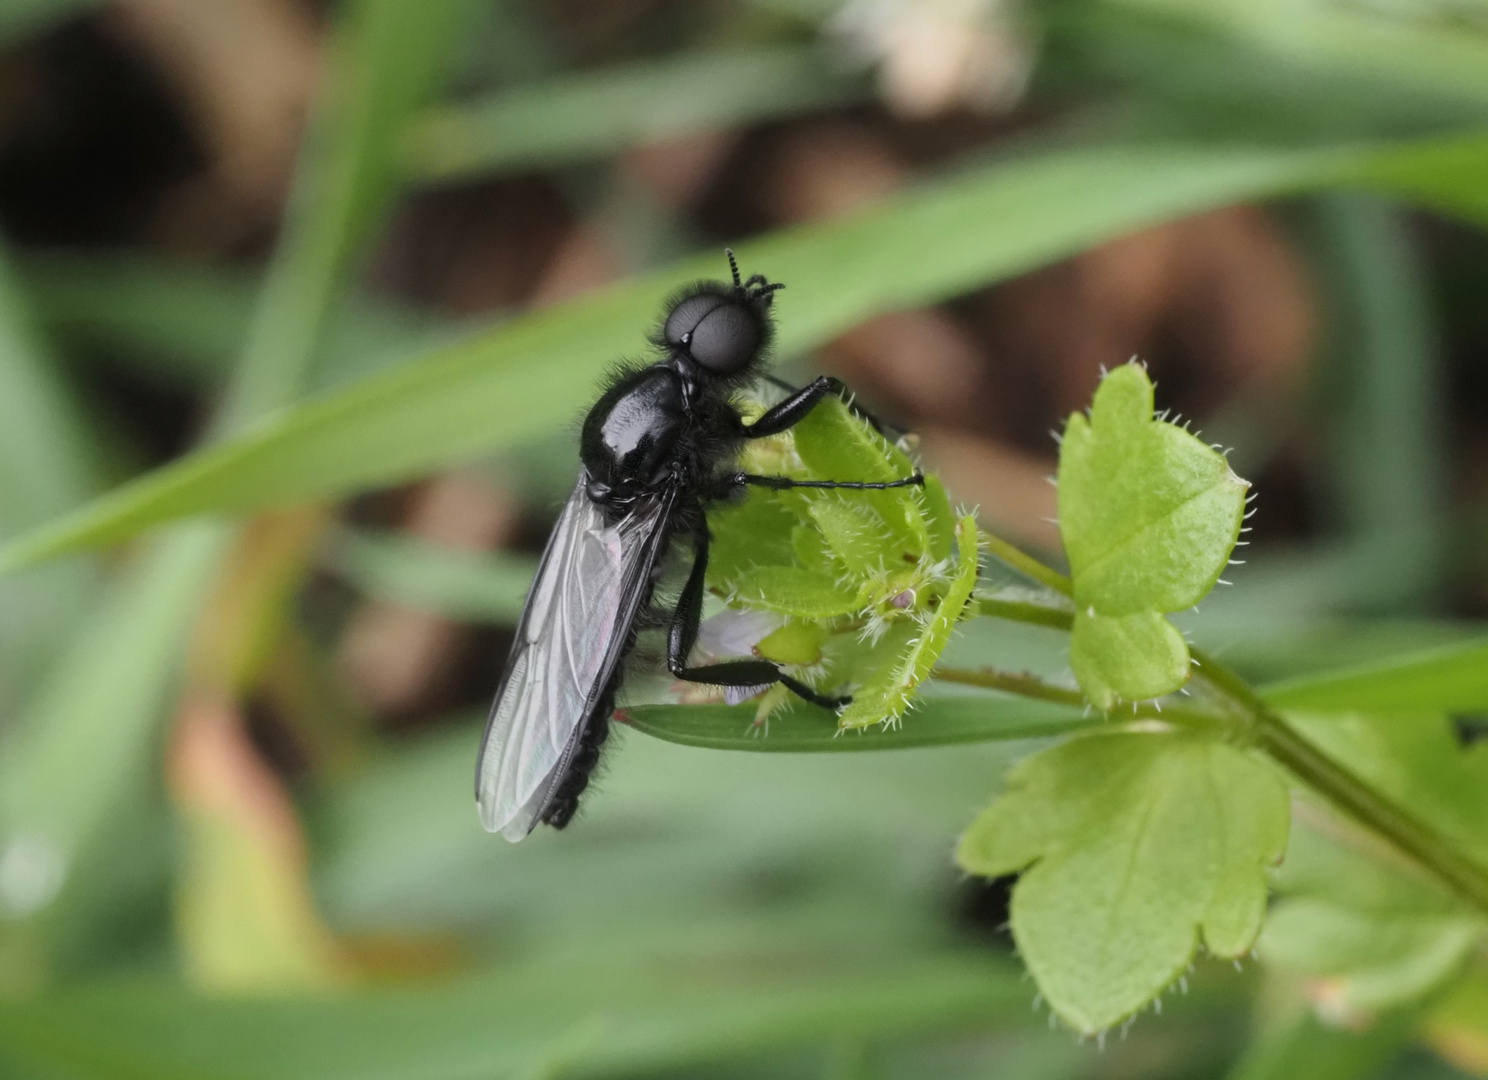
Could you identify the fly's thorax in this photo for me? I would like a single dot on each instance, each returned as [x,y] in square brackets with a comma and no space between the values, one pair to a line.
[632,431]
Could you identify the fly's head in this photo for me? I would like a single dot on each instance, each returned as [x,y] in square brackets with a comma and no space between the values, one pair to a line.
[721,330]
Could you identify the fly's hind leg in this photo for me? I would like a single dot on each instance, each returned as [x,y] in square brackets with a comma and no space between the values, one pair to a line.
[742,673]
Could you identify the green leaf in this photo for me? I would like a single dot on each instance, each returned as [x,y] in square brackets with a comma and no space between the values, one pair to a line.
[1127,656]
[1149,516]
[938,721]
[1452,678]
[891,689]
[803,592]
[1148,513]
[592,114]
[984,224]
[1133,847]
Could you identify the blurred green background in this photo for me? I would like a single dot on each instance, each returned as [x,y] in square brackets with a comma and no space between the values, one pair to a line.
[357,266]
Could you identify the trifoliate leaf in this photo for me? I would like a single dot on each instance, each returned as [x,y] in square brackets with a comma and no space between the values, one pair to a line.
[886,696]
[1149,516]
[1134,848]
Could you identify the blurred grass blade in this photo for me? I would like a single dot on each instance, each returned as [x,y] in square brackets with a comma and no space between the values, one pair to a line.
[45,452]
[1451,679]
[1304,1046]
[978,226]
[48,464]
[603,1016]
[466,585]
[1392,410]
[590,115]
[1418,48]
[185,324]
[387,57]
[86,736]
[935,721]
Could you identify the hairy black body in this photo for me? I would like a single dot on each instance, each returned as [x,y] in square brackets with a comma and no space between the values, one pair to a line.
[668,435]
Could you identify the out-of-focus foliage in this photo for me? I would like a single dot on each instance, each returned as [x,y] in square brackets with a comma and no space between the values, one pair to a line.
[222,854]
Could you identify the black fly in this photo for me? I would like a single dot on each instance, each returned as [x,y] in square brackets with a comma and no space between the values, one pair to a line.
[658,447]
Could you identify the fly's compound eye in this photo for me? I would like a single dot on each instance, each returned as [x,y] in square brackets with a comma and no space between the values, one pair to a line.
[684,318]
[725,339]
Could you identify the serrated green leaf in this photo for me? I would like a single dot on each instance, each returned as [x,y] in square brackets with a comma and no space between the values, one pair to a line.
[854,532]
[833,444]
[797,642]
[1149,516]
[1133,847]
[886,696]
[1148,513]
[1128,656]
[795,590]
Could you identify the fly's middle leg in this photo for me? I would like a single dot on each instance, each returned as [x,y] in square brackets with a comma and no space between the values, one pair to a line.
[684,632]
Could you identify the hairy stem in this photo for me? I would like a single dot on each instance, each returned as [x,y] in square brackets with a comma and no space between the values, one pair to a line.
[1413,838]
[1026,564]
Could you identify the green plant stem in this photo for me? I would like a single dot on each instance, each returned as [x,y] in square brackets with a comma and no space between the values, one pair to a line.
[1026,564]
[1415,839]
[1019,611]
[1032,686]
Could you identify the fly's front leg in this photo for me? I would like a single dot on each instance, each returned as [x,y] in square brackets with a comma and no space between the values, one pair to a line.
[785,483]
[684,632]
[791,411]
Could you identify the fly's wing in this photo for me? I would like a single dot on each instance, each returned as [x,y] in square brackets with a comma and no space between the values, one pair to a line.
[589,587]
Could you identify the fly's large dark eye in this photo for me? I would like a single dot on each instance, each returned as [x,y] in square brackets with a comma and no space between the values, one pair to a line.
[725,339]
[685,317]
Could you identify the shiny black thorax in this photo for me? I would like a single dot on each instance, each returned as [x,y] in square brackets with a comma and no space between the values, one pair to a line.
[663,426]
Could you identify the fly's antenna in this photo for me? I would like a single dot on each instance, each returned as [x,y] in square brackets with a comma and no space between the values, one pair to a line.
[757,287]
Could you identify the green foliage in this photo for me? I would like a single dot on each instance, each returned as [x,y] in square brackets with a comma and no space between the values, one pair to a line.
[984,224]
[1380,937]
[869,579]
[1149,516]
[1134,847]
[937,720]
[713,906]
[460,584]
[577,117]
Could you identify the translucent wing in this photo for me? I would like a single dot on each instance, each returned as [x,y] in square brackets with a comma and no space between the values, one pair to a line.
[589,587]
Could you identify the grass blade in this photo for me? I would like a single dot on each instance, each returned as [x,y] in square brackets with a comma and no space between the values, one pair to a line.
[1453,678]
[935,721]
[578,117]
